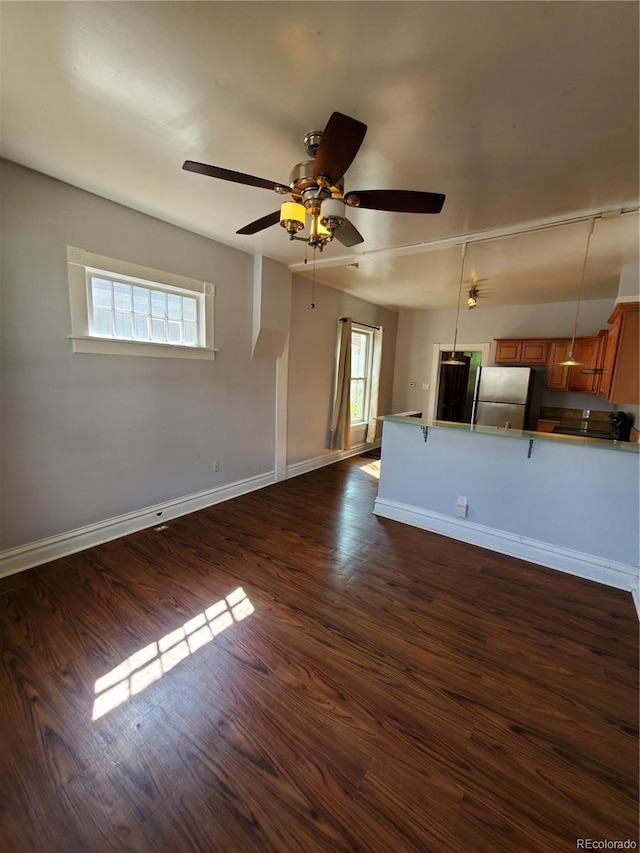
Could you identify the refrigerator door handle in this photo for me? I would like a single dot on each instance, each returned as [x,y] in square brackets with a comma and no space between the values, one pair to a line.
[474,405]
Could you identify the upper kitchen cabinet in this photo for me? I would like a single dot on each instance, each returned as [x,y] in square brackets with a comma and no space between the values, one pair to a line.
[590,351]
[557,378]
[523,351]
[620,379]
[536,351]
[586,377]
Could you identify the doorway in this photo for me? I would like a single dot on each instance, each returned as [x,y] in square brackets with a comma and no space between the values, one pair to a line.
[451,396]
[457,387]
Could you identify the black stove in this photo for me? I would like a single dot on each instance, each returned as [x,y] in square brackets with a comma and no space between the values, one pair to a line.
[585,433]
[619,428]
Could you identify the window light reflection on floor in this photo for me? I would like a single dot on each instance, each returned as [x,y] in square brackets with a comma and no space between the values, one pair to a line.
[372,468]
[152,662]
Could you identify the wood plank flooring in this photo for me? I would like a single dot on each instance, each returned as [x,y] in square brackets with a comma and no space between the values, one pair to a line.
[287,672]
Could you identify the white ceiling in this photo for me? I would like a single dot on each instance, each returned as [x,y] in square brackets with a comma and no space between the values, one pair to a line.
[521,113]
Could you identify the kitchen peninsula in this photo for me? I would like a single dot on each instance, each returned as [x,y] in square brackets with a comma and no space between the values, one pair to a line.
[568,503]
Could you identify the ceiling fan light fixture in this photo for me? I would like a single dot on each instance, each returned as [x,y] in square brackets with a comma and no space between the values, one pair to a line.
[472,299]
[292,217]
[317,188]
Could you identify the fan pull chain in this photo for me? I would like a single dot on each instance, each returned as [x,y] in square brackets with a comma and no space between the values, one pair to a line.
[313,280]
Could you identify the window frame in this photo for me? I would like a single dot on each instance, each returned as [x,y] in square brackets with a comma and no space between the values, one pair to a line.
[368,333]
[81,265]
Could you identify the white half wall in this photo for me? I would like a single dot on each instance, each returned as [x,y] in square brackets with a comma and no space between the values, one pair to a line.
[564,505]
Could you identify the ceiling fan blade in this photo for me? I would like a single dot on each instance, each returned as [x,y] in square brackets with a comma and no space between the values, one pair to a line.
[228,175]
[260,224]
[341,139]
[348,234]
[397,201]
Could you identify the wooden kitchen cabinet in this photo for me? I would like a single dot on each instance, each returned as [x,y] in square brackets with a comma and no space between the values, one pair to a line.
[544,425]
[610,359]
[590,351]
[620,380]
[521,351]
[558,377]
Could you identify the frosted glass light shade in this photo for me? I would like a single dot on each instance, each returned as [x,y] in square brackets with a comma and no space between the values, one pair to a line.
[318,228]
[292,215]
[332,212]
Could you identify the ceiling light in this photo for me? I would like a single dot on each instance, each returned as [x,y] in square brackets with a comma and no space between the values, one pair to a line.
[472,299]
[571,360]
[453,360]
[292,216]
[332,213]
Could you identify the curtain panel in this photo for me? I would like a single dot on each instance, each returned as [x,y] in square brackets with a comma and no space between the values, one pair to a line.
[341,415]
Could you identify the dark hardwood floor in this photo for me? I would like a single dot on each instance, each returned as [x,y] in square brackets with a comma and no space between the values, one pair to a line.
[287,672]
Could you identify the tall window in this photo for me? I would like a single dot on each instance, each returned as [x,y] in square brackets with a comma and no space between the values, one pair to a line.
[357,386]
[361,361]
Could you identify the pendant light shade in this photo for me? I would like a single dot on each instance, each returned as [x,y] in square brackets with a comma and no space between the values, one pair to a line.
[452,360]
[571,360]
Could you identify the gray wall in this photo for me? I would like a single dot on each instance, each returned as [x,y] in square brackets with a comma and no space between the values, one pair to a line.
[90,437]
[312,353]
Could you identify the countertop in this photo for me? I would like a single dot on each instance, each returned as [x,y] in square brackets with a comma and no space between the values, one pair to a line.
[528,435]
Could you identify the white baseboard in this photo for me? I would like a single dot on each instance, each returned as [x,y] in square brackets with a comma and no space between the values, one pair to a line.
[329,458]
[44,550]
[589,566]
[636,598]
[52,548]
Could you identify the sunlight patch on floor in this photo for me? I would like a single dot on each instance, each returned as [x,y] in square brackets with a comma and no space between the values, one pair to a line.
[150,663]
[372,468]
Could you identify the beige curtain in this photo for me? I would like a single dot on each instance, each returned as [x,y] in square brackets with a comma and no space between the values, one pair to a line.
[375,385]
[341,416]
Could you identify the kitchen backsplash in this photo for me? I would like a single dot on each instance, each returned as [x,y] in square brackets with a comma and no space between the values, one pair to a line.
[555,413]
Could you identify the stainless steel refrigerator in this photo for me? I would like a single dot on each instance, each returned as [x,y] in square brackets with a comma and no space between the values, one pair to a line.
[502,396]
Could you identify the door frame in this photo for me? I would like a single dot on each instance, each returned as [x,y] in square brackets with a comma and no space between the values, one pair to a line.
[434,384]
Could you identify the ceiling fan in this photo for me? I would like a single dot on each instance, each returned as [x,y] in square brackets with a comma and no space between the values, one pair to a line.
[317,188]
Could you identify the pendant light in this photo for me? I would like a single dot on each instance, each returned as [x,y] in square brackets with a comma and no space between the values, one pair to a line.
[571,360]
[453,360]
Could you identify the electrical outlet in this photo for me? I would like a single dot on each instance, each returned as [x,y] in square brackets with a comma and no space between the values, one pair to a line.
[461,506]
[216,466]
